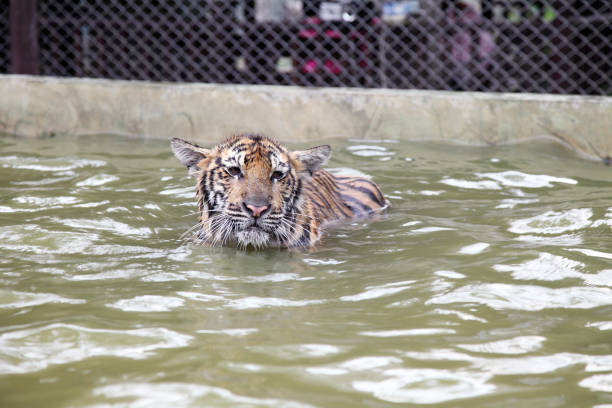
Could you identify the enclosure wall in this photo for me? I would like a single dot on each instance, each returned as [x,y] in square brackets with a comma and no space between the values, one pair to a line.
[40,106]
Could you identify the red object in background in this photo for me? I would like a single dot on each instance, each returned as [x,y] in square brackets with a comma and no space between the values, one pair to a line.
[314,37]
[309,66]
[333,67]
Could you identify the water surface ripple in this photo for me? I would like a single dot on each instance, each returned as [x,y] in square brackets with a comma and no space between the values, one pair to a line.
[488,283]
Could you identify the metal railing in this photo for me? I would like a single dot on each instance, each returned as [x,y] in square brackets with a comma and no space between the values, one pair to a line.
[479,45]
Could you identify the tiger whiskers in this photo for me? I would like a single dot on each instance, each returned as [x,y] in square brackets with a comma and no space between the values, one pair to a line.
[280,229]
[189,214]
[189,231]
[218,226]
[285,232]
[207,227]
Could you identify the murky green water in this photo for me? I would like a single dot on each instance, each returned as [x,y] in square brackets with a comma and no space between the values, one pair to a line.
[488,284]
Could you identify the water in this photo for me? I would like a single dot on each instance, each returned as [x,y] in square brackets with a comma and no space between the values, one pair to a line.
[488,284]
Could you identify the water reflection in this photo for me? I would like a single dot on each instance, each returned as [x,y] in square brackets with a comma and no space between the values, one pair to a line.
[501,296]
[517,345]
[11,299]
[490,273]
[29,350]
[426,386]
[148,303]
[183,395]
[553,222]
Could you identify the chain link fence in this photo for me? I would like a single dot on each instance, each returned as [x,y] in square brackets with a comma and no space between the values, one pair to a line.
[478,45]
[5,62]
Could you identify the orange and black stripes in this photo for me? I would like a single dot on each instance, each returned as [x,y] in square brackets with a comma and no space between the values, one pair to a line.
[346,197]
[299,197]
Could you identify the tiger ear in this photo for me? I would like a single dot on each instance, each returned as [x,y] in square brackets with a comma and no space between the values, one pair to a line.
[312,159]
[189,154]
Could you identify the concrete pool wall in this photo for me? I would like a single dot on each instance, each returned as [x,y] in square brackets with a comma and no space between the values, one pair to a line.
[42,106]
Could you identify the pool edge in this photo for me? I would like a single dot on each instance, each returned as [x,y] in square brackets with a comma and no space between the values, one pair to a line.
[34,106]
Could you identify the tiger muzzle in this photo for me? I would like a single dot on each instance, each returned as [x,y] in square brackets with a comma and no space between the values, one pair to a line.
[256,207]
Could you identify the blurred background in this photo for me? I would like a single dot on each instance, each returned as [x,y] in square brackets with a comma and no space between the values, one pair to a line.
[556,46]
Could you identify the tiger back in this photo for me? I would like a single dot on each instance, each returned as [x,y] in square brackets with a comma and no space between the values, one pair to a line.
[253,192]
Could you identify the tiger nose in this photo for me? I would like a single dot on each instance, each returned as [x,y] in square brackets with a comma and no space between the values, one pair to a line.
[256,211]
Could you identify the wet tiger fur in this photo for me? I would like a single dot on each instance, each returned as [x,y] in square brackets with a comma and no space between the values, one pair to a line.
[254,192]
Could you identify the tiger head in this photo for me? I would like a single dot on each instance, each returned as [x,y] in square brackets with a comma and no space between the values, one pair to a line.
[249,188]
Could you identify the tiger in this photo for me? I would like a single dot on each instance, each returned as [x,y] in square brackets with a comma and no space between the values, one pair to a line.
[253,192]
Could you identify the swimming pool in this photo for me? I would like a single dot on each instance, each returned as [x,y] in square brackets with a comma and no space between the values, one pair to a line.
[487,283]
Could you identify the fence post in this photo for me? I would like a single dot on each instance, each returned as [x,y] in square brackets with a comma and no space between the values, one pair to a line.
[24,37]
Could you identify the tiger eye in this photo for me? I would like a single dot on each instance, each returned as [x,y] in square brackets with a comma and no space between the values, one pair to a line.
[278,175]
[233,171]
